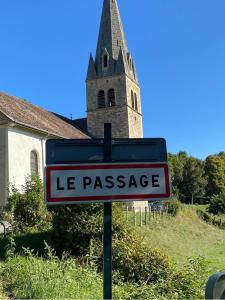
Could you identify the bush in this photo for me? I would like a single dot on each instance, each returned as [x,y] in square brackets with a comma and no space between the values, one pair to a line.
[28,210]
[74,227]
[217,204]
[211,219]
[173,206]
[138,263]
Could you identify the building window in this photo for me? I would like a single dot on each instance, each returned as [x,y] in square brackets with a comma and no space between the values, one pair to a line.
[135,102]
[101,99]
[105,61]
[34,163]
[111,98]
[132,99]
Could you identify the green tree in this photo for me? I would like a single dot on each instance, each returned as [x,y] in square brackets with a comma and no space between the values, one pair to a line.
[176,164]
[215,173]
[217,204]
[194,181]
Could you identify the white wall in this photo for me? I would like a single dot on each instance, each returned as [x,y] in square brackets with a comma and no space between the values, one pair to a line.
[20,144]
[3,164]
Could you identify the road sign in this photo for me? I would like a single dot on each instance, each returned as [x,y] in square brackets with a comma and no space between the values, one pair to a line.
[83,183]
[106,170]
[92,151]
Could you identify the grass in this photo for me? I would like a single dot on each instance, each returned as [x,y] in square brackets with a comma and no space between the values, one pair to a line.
[33,277]
[186,235]
[36,278]
[2,293]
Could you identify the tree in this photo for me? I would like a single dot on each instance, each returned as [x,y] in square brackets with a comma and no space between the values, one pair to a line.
[194,182]
[215,172]
[176,164]
[217,204]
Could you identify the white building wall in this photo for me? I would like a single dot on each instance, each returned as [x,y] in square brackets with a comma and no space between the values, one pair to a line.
[20,144]
[3,164]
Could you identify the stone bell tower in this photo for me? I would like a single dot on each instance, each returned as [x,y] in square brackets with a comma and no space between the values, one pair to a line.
[113,92]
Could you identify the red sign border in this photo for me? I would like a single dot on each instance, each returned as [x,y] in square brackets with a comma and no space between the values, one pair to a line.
[51,200]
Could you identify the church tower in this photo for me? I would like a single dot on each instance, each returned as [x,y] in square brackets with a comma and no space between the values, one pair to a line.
[113,92]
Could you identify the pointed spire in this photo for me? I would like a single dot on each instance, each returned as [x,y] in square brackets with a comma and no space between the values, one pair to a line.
[111,34]
[112,55]
[91,74]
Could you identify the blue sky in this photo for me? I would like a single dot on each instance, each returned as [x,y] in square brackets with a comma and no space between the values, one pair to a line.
[179,50]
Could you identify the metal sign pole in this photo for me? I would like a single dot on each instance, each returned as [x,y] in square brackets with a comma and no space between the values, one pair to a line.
[107,238]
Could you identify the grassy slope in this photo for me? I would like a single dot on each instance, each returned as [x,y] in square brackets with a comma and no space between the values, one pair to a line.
[186,235]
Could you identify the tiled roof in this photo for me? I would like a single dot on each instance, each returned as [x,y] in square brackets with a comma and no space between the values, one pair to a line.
[81,124]
[24,113]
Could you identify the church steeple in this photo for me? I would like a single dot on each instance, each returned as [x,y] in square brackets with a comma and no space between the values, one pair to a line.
[113,92]
[112,46]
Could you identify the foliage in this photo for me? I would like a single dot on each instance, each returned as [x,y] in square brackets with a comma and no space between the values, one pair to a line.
[27,210]
[188,176]
[136,262]
[217,204]
[176,164]
[173,206]
[140,271]
[193,183]
[190,281]
[32,240]
[215,172]
[211,219]
[30,277]
[75,226]
[195,179]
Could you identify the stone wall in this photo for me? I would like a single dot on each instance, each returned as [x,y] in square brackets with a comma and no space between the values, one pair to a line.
[126,122]
[134,116]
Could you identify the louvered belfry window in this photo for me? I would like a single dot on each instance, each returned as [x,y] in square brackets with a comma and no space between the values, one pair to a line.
[101,99]
[136,104]
[34,163]
[132,99]
[111,98]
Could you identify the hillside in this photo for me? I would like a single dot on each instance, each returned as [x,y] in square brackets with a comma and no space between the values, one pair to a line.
[187,235]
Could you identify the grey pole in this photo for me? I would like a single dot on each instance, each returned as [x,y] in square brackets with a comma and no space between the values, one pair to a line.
[107,239]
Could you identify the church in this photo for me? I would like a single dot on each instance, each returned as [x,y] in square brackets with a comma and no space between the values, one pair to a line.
[113,96]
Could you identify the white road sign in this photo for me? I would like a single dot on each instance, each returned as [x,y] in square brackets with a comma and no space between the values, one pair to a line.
[84,183]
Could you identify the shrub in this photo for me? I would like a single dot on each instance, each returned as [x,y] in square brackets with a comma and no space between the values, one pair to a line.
[27,209]
[211,219]
[138,263]
[75,226]
[173,206]
[217,204]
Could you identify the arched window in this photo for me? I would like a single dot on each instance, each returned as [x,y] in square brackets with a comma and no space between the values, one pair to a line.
[128,58]
[101,99]
[34,163]
[135,101]
[132,99]
[111,98]
[133,68]
[105,61]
